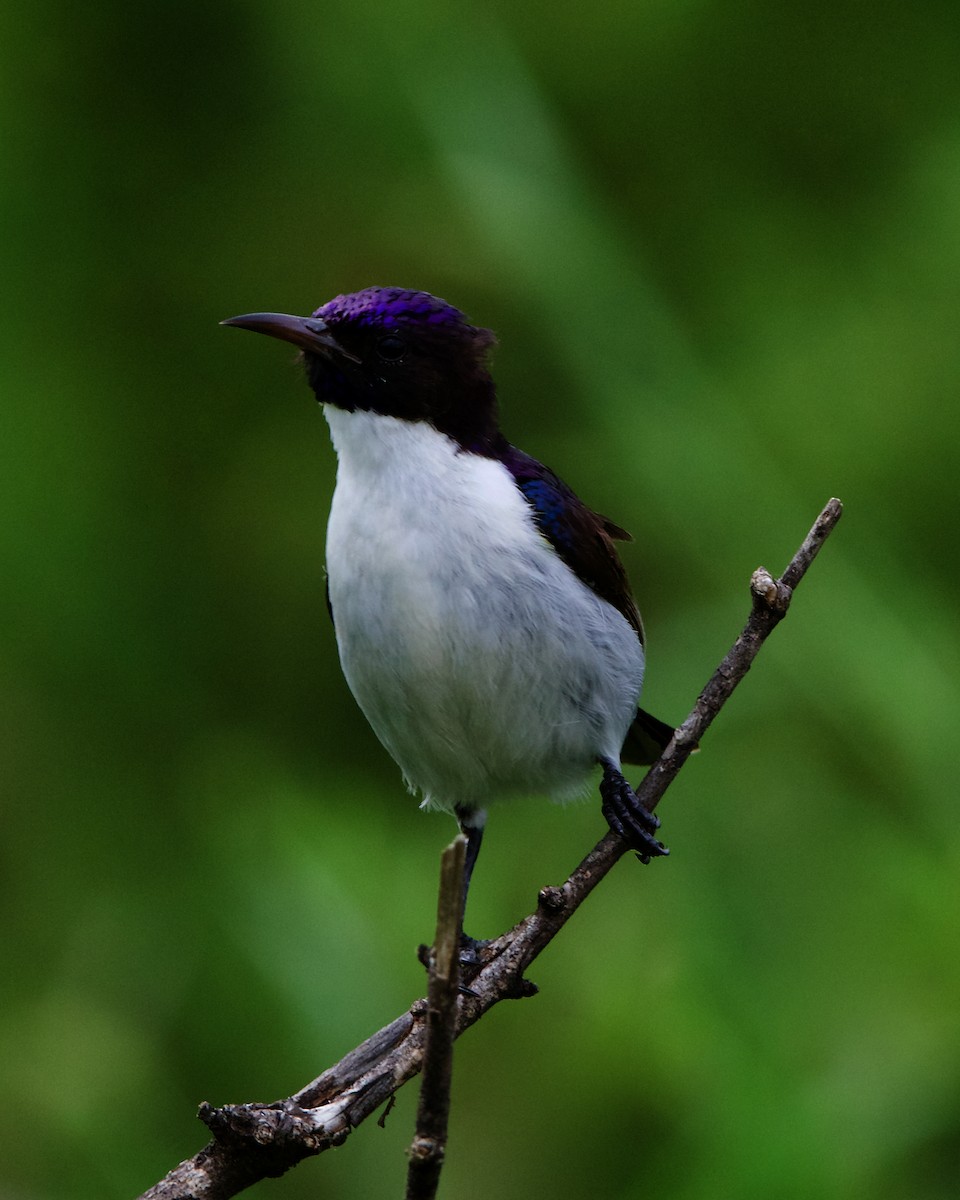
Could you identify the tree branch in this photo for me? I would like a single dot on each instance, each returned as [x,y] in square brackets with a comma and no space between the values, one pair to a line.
[254,1141]
[430,1141]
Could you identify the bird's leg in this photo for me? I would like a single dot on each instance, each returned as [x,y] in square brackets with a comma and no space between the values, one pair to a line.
[471,821]
[625,814]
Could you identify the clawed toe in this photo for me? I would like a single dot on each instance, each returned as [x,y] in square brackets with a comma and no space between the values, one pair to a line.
[472,961]
[627,817]
[470,950]
[470,956]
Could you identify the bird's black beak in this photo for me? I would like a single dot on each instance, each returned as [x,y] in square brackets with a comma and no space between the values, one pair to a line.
[309,333]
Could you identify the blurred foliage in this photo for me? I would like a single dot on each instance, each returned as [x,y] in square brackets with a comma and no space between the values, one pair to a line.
[721,248]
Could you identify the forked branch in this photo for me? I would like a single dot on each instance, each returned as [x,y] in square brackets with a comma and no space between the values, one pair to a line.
[253,1141]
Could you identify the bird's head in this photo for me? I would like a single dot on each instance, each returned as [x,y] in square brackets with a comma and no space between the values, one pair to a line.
[400,353]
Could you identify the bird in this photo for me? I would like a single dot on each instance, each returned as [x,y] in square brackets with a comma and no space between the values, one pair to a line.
[483,617]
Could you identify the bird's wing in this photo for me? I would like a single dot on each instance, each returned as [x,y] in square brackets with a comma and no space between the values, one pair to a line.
[582,538]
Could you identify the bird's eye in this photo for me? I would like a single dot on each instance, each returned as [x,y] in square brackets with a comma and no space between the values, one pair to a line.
[392,347]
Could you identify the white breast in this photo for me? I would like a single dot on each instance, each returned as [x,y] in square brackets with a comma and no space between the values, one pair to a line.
[485,667]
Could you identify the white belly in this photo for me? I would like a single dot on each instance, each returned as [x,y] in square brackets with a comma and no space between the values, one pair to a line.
[483,665]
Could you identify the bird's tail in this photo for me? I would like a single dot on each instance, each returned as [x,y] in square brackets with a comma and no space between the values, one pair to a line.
[646,739]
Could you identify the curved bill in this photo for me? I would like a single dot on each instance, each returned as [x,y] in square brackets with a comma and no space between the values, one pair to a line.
[309,333]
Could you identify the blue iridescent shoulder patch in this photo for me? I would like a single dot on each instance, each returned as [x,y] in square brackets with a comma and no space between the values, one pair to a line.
[550,507]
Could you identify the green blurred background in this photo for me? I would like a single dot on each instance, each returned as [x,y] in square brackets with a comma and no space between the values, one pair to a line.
[721,247]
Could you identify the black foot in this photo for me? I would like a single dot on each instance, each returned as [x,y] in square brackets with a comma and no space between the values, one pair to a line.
[471,961]
[470,956]
[627,817]
[470,950]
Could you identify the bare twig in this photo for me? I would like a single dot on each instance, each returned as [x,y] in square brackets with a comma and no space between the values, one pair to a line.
[254,1141]
[430,1142]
